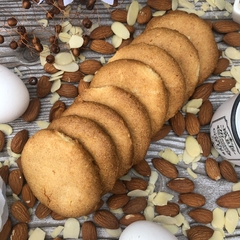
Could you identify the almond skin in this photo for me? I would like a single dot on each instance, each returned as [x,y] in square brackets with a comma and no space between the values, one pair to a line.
[192,199]
[119,188]
[144,15]
[101,32]
[15,181]
[222,65]
[90,66]
[19,141]
[135,205]
[6,230]
[32,111]
[68,91]
[4,173]
[205,113]
[199,233]
[232,39]
[2,140]
[130,218]
[101,46]
[229,200]
[106,219]
[20,212]
[119,15]
[72,76]
[43,86]
[212,169]
[42,211]
[228,172]
[205,142]
[117,201]
[57,110]
[19,231]
[171,209]
[181,185]
[49,68]
[224,84]
[225,26]
[82,86]
[178,123]
[27,196]
[203,91]
[201,215]
[160,5]
[165,167]
[162,133]
[192,124]
[89,231]
[56,216]
[143,168]
[136,183]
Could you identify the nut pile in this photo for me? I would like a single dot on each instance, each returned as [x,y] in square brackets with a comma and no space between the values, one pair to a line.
[192,117]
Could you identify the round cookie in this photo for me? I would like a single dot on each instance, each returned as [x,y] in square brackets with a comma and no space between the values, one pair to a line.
[131,110]
[112,123]
[181,49]
[198,32]
[96,141]
[61,173]
[163,64]
[140,80]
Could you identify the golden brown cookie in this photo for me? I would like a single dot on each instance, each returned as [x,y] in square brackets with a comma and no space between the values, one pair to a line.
[131,110]
[163,64]
[112,123]
[198,32]
[96,141]
[180,48]
[140,80]
[61,173]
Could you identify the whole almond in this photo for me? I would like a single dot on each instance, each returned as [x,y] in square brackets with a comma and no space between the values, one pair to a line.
[6,230]
[144,15]
[125,42]
[205,113]
[192,199]
[232,39]
[101,32]
[178,123]
[212,169]
[131,29]
[143,168]
[2,140]
[201,215]
[19,140]
[160,5]
[228,172]
[20,212]
[226,26]
[119,188]
[82,86]
[106,219]
[192,124]
[19,232]
[130,218]
[229,200]
[68,91]
[203,91]
[27,196]
[49,68]
[162,133]
[89,231]
[101,46]
[205,142]
[165,167]
[42,211]
[117,201]
[90,66]
[19,164]
[32,111]
[224,84]
[199,233]
[56,110]
[135,205]
[72,77]
[181,185]
[43,86]
[222,65]
[15,181]
[171,209]
[4,173]
[119,15]
[136,183]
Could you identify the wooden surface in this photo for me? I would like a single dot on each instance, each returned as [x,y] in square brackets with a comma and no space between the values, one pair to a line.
[30,66]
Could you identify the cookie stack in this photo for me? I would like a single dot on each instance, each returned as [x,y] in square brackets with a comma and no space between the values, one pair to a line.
[108,128]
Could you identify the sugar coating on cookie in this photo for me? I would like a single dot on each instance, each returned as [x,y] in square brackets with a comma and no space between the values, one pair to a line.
[140,80]
[181,49]
[112,123]
[198,32]
[162,63]
[131,110]
[96,141]
[61,173]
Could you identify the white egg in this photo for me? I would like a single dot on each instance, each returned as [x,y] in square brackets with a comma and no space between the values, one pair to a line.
[146,230]
[14,96]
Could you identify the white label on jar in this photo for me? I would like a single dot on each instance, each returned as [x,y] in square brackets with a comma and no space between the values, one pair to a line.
[223,139]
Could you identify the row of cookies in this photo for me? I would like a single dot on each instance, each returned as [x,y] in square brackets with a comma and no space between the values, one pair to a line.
[108,128]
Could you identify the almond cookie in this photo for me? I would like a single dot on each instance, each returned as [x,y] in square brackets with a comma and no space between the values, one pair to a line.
[61,173]
[131,110]
[198,32]
[112,123]
[140,80]
[163,64]
[181,49]
[96,141]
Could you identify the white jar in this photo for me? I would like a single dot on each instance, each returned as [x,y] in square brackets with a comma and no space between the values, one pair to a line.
[225,129]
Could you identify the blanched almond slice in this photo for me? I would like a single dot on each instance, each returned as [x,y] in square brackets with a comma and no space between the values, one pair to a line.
[218,218]
[153,177]
[162,198]
[185,227]
[6,128]
[66,26]
[220,4]
[63,58]
[88,78]
[56,85]
[169,155]
[232,53]
[192,146]
[194,103]
[187,158]
[42,124]
[236,186]
[57,231]
[75,41]
[120,30]
[186,4]
[38,234]
[235,72]
[231,220]
[165,219]
[54,98]
[132,13]
[71,67]
[174,5]
[55,78]
[137,193]
[217,235]
[71,228]
[76,30]
[179,219]
[214,152]
[57,74]
[149,213]
[115,233]
[116,41]
[171,228]
[191,173]
[158,13]
[64,37]
[43,22]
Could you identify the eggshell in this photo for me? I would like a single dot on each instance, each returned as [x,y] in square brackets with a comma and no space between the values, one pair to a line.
[146,230]
[14,96]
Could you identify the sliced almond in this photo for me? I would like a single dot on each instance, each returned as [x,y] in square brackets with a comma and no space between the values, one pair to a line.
[120,30]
